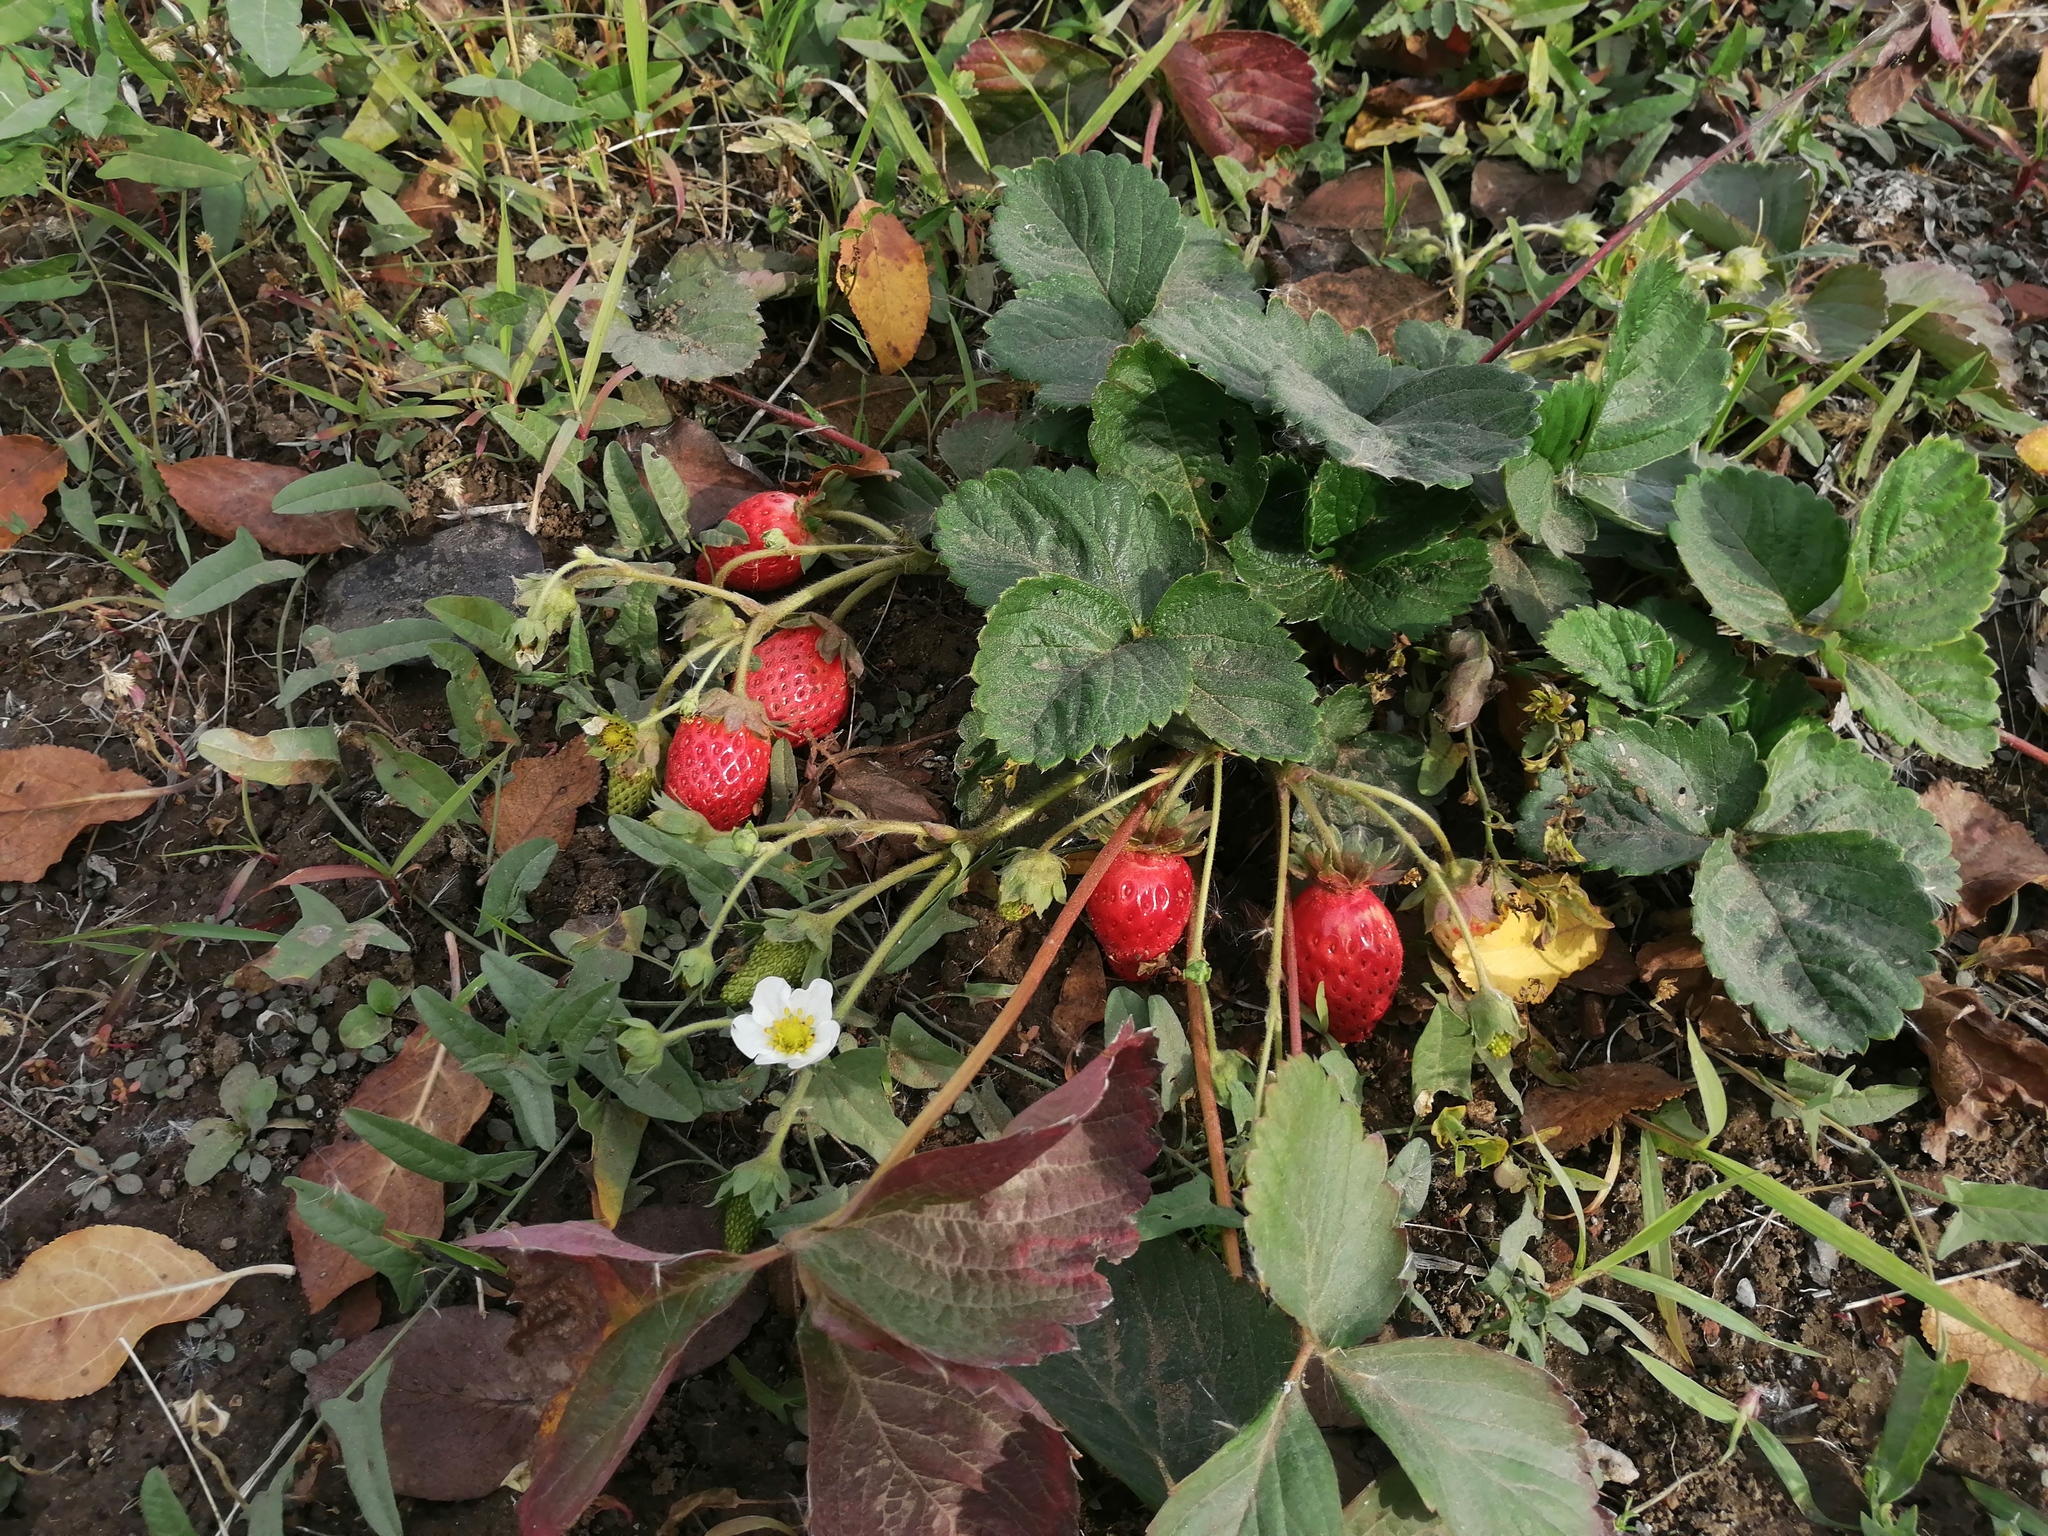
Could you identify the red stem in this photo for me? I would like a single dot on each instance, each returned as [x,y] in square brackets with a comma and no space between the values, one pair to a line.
[798,419]
[2023,747]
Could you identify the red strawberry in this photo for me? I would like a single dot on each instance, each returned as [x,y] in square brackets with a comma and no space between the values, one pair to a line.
[803,689]
[760,515]
[1141,909]
[1345,942]
[717,771]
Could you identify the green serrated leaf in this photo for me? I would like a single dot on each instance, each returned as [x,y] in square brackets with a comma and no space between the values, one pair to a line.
[1006,527]
[1100,218]
[1709,679]
[1944,699]
[1824,934]
[1763,550]
[1438,426]
[1434,1400]
[700,320]
[1184,1358]
[1560,523]
[1059,334]
[1927,549]
[1251,692]
[1391,1507]
[1661,382]
[1332,1263]
[1820,783]
[1060,673]
[1656,796]
[1539,586]
[1274,1479]
[1626,655]
[1171,432]
[850,1099]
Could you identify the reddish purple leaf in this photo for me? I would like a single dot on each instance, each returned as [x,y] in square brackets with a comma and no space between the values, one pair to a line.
[1247,95]
[571,1240]
[916,1447]
[986,1254]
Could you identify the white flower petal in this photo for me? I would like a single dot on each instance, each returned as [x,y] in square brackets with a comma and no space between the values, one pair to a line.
[771,998]
[818,997]
[828,1036]
[750,1035]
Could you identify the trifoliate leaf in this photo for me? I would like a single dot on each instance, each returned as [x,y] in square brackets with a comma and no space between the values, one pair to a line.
[1170,431]
[1440,426]
[1763,550]
[1925,560]
[1060,674]
[1661,384]
[1825,934]
[698,321]
[1656,795]
[1101,218]
[1820,783]
[1006,526]
[1251,692]
[1944,699]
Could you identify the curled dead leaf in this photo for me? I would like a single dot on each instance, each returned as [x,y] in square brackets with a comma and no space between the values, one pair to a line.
[1675,969]
[48,795]
[1876,98]
[883,274]
[1992,1366]
[542,797]
[422,1086]
[1995,853]
[1549,930]
[1084,995]
[1977,1063]
[30,468]
[65,1312]
[222,494]
[1370,299]
[1606,1092]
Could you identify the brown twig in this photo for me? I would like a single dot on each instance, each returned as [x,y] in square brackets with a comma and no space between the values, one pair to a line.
[1212,1121]
[1622,235]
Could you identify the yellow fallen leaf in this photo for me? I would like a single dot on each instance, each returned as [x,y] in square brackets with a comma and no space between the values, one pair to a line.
[1549,931]
[2033,448]
[883,274]
[1992,1366]
[67,1309]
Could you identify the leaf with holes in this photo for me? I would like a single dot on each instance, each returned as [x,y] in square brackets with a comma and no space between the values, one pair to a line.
[1173,433]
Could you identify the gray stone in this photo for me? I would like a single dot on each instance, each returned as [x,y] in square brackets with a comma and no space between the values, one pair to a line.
[475,558]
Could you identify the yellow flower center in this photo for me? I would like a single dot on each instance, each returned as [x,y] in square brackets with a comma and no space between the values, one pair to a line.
[792,1034]
[617,738]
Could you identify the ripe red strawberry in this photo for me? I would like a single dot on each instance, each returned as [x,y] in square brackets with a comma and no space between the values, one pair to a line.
[1345,942]
[1141,909]
[760,515]
[804,690]
[717,771]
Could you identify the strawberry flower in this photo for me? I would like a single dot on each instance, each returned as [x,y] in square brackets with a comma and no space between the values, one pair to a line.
[787,1026]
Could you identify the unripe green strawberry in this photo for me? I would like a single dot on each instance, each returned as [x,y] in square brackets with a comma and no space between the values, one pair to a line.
[628,792]
[742,1226]
[768,957]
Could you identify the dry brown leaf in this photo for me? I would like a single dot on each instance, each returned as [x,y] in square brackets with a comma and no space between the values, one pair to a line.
[222,494]
[66,1310]
[1504,189]
[543,797]
[422,1086]
[1996,854]
[427,205]
[2026,953]
[1084,995]
[1977,1062]
[2029,301]
[1371,299]
[1992,1366]
[716,479]
[1357,202]
[883,793]
[1876,98]
[882,272]
[1675,969]
[30,468]
[48,795]
[1605,1093]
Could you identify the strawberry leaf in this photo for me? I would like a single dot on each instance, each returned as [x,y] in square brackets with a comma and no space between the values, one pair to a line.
[1440,426]
[1274,1478]
[1333,1263]
[1060,334]
[1763,550]
[1820,783]
[1661,382]
[917,1447]
[1433,1400]
[1061,674]
[1171,432]
[1655,796]
[985,1254]
[1246,95]
[1925,560]
[1250,691]
[1944,699]
[997,531]
[701,321]
[1825,934]
[1182,1359]
[1631,656]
